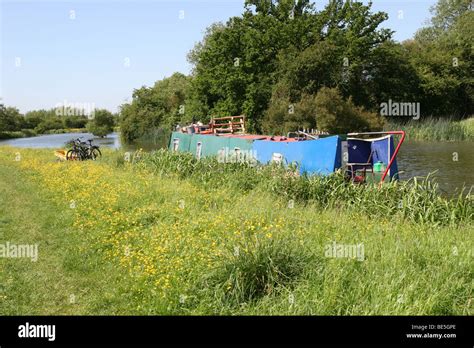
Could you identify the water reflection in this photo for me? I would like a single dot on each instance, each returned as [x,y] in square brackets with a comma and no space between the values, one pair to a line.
[453,163]
[55,141]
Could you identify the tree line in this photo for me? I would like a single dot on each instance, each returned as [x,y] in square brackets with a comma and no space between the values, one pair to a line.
[287,66]
[15,124]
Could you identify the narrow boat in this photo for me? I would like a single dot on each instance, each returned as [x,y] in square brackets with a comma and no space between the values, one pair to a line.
[364,157]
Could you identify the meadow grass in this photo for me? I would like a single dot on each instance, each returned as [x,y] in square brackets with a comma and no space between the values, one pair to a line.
[417,200]
[436,129]
[143,237]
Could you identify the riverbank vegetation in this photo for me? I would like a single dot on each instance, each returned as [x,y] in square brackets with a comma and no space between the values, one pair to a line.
[14,124]
[278,62]
[437,129]
[157,234]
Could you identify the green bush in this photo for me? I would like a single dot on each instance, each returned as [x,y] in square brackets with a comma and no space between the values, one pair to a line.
[49,124]
[102,124]
[160,106]
[11,135]
[28,132]
[337,116]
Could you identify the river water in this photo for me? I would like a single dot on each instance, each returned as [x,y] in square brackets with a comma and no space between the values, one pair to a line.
[452,162]
[56,141]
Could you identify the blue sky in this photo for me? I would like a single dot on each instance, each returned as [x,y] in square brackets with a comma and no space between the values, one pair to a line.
[99,51]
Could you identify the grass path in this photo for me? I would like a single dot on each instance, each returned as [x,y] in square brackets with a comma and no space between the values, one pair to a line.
[27,217]
[59,282]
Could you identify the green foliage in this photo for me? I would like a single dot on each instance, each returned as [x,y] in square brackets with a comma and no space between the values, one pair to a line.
[11,135]
[15,124]
[307,71]
[447,12]
[436,129]
[443,57]
[45,121]
[282,116]
[102,124]
[49,123]
[256,268]
[76,121]
[35,117]
[237,64]
[10,119]
[327,111]
[271,62]
[338,116]
[416,200]
[162,105]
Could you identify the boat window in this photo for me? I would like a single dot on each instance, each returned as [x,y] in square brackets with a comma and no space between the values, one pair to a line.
[237,153]
[198,150]
[277,157]
[175,144]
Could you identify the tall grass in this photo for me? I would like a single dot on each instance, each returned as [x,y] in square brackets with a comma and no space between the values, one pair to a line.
[146,244]
[258,268]
[417,200]
[436,129]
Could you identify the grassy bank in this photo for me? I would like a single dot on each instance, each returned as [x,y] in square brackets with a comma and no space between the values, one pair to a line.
[165,234]
[436,129]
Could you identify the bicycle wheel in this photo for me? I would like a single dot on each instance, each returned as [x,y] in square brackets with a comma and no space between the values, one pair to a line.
[95,153]
[73,155]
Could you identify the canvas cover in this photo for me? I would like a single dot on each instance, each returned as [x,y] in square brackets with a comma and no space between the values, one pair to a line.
[382,149]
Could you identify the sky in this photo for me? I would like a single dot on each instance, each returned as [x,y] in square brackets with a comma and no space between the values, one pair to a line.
[96,52]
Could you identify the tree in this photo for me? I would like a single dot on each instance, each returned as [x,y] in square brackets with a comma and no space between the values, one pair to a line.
[391,76]
[336,115]
[49,123]
[237,64]
[282,55]
[10,119]
[76,121]
[447,12]
[163,105]
[444,60]
[327,110]
[34,118]
[102,124]
[234,64]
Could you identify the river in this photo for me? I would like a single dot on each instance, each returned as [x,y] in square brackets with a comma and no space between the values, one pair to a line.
[453,162]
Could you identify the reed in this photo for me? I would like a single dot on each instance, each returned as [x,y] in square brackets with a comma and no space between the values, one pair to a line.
[436,129]
[417,200]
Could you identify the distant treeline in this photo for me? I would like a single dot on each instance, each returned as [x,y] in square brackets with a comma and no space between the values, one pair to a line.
[287,66]
[14,124]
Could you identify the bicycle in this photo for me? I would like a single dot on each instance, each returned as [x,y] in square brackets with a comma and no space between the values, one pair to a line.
[93,151]
[82,151]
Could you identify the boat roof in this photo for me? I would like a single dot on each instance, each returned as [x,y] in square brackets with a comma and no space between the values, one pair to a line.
[259,137]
